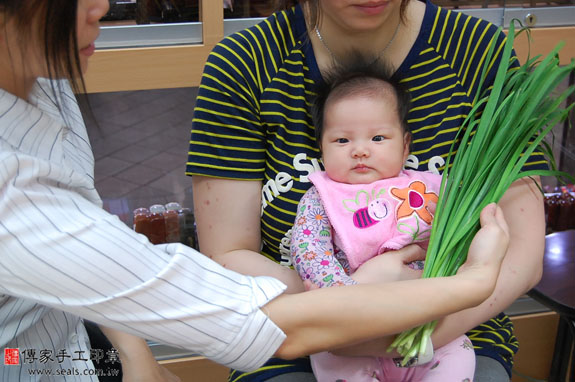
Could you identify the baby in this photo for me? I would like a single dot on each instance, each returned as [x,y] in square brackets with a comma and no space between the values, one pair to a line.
[363,205]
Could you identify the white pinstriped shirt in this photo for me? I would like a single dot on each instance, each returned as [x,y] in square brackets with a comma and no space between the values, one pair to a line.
[63,257]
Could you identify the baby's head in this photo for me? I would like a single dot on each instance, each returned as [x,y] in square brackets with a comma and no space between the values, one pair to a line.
[360,117]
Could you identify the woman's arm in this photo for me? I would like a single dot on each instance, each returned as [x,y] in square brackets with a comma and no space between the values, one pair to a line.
[522,206]
[388,308]
[522,267]
[138,362]
[227,214]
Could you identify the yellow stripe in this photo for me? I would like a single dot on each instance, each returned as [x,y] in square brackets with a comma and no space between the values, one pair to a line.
[283,105]
[289,28]
[283,37]
[504,346]
[480,65]
[284,116]
[424,63]
[292,74]
[279,48]
[278,150]
[205,155]
[230,89]
[451,35]
[281,210]
[294,202]
[286,94]
[299,62]
[426,74]
[440,112]
[204,165]
[192,173]
[429,94]
[279,162]
[469,57]
[263,368]
[246,66]
[229,75]
[287,83]
[445,131]
[276,220]
[461,34]
[230,148]
[255,62]
[299,191]
[482,339]
[467,47]
[435,80]
[441,144]
[267,44]
[441,35]
[293,144]
[218,102]
[232,39]
[213,90]
[425,51]
[434,25]
[261,53]
[442,100]
[494,333]
[538,162]
[228,126]
[498,53]
[230,116]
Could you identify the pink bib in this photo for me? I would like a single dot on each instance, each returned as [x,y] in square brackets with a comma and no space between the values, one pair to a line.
[388,214]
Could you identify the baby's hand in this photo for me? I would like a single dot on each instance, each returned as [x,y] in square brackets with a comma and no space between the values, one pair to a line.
[391,266]
[308,285]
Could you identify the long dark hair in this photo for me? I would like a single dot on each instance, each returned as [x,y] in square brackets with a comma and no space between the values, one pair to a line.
[57,34]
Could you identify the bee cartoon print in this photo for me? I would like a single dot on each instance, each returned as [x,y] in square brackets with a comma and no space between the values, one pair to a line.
[368,209]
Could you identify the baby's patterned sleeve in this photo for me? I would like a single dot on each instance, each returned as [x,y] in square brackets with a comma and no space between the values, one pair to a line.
[312,248]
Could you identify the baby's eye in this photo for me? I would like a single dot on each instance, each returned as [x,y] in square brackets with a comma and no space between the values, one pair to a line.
[378,138]
[342,140]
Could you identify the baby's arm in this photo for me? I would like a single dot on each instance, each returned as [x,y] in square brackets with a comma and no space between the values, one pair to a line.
[312,249]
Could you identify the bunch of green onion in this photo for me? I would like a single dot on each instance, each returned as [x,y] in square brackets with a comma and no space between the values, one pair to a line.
[503,129]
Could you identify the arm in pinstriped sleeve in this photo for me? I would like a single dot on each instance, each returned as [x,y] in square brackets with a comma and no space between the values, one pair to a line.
[60,249]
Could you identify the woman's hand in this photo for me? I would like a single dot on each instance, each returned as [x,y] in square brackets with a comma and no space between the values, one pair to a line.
[149,371]
[488,247]
[390,266]
[138,362]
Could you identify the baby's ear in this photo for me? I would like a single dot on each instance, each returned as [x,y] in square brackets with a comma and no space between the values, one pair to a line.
[406,145]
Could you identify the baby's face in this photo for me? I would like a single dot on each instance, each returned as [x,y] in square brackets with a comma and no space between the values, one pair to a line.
[363,140]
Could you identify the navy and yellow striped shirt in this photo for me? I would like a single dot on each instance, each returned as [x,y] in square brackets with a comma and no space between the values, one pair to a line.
[252,119]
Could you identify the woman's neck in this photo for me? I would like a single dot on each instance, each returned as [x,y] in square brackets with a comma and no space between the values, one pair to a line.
[387,43]
[18,86]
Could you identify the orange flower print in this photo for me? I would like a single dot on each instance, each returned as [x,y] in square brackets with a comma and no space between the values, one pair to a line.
[414,198]
[309,255]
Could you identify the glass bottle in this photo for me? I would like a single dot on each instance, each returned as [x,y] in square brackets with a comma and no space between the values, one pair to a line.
[188,234]
[142,221]
[172,223]
[157,224]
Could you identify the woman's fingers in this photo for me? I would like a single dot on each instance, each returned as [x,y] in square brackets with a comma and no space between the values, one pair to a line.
[490,244]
